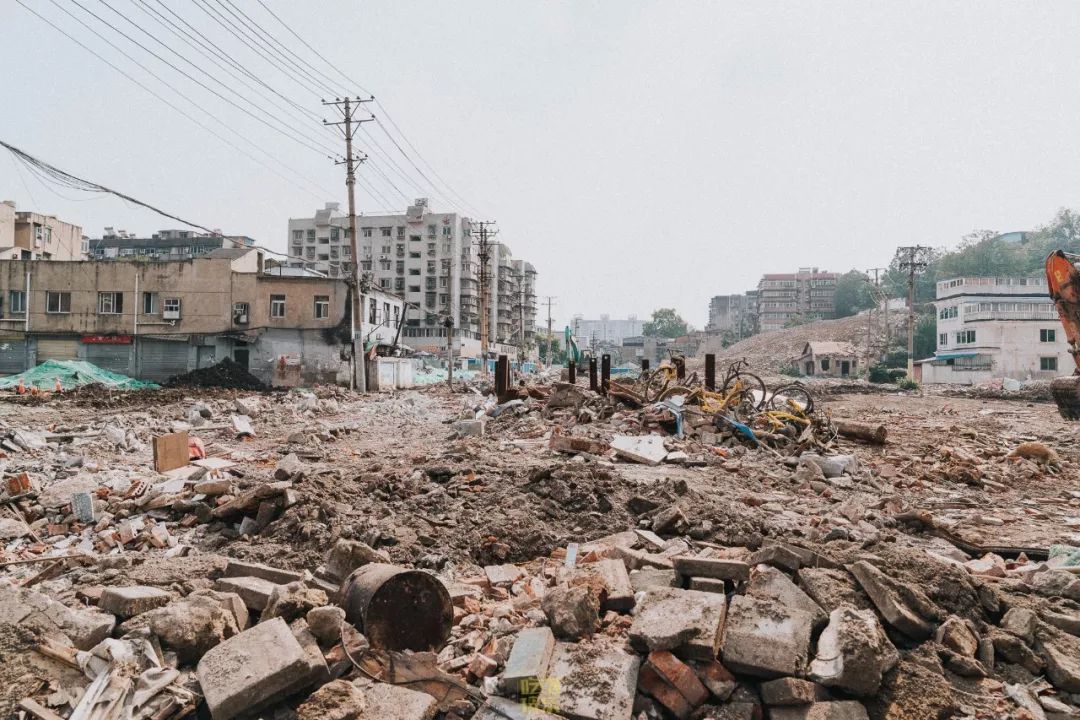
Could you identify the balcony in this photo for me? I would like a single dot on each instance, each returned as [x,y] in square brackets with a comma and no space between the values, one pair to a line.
[1046,316]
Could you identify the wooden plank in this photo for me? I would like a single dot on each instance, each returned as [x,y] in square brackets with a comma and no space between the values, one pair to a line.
[170,451]
[38,710]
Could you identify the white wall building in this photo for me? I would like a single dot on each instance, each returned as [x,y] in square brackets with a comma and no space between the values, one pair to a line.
[992,327]
[431,260]
[606,330]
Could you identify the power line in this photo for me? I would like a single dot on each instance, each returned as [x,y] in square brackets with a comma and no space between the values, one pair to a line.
[176,107]
[385,111]
[78,183]
[295,138]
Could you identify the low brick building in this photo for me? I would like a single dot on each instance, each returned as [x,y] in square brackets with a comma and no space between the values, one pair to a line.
[828,359]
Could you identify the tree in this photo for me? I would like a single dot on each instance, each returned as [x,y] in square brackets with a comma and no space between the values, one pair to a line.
[852,294]
[665,323]
[558,354]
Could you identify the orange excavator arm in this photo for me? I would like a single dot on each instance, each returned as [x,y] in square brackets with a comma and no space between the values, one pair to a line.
[1063,280]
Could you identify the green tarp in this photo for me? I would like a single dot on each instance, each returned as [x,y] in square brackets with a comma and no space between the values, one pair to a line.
[72,374]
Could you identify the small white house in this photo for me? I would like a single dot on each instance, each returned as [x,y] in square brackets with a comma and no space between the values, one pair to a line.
[993,327]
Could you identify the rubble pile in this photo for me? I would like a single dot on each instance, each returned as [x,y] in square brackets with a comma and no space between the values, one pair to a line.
[226,374]
[562,553]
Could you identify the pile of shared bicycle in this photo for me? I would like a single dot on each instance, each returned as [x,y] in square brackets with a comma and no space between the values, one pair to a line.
[738,408]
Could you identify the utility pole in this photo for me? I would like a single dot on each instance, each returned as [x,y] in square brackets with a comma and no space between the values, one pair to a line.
[484,254]
[915,261]
[520,277]
[348,106]
[870,315]
[549,299]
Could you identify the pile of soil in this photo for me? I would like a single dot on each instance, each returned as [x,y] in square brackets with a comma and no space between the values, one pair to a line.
[226,374]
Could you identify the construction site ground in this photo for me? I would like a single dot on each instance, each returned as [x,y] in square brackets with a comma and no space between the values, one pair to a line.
[389,470]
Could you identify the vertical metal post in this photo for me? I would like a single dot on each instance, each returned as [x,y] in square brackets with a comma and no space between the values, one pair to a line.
[710,371]
[680,367]
[592,374]
[605,373]
[572,372]
[502,376]
[644,364]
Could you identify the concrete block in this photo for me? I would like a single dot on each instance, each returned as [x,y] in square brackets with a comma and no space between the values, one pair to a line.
[891,601]
[853,653]
[765,640]
[792,691]
[84,627]
[647,449]
[245,671]
[687,622]
[348,555]
[191,626]
[529,659]
[612,572]
[716,568]
[1020,622]
[254,591]
[777,556]
[597,682]
[1061,652]
[503,574]
[337,700]
[708,585]
[499,708]
[239,568]
[394,702]
[768,583]
[651,578]
[132,600]
[831,588]
[836,710]
[470,428]
[571,612]
[325,623]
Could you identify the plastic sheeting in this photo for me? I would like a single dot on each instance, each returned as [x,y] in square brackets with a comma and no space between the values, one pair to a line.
[72,374]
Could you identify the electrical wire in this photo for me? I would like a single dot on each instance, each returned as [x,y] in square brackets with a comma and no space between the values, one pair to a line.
[180,110]
[204,86]
[78,183]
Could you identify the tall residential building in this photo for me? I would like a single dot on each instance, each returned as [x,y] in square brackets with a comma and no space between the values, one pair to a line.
[162,245]
[992,327]
[26,235]
[806,294]
[735,315]
[431,259]
[606,330]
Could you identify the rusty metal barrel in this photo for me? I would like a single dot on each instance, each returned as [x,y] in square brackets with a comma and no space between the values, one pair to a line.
[398,609]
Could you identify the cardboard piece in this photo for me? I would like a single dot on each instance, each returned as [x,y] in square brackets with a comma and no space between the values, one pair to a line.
[170,451]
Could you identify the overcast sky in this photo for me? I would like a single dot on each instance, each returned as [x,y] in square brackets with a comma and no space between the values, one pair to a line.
[639,154]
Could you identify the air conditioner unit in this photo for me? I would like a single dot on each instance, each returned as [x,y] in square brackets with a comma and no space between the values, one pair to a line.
[240,318]
[170,314]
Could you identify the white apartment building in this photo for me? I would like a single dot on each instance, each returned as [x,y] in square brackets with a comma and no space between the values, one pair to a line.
[992,327]
[607,330]
[431,260]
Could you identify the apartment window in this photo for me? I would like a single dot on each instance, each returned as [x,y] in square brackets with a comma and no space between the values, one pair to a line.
[324,241]
[397,315]
[431,230]
[399,284]
[149,303]
[334,252]
[401,232]
[948,313]
[323,257]
[277,306]
[414,288]
[442,281]
[414,271]
[965,336]
[311,235]
[110,303]
[170,308]
[943,339]
[448,231]
[1048,336]
[297,234]
[414,238]
[400,267]
[1048,363]
[365,266]
[384,283]
[346,251]
[825,363]
[367,232]
[373,311]
[414,255]
[322,307]
[385,250]
[385,231]
[17,302]
[386,311]
[335,234]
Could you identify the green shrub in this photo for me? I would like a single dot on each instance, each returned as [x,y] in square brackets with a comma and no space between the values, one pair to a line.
[879,373]
[790,371]
[907,384]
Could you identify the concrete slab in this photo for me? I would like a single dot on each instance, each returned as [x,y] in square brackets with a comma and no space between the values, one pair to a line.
[597,680]
[716,568]
[254,591]
[687,622]
[132,600]
[239,568]
[764,639]
[645,449]
[529,659]
[837,710]
[768,583]
[394,702]
[244,671]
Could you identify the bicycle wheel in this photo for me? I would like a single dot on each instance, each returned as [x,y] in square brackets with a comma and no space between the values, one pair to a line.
[752,384]
[795,392]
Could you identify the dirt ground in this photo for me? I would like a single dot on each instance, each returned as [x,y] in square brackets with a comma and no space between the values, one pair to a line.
[390,471]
